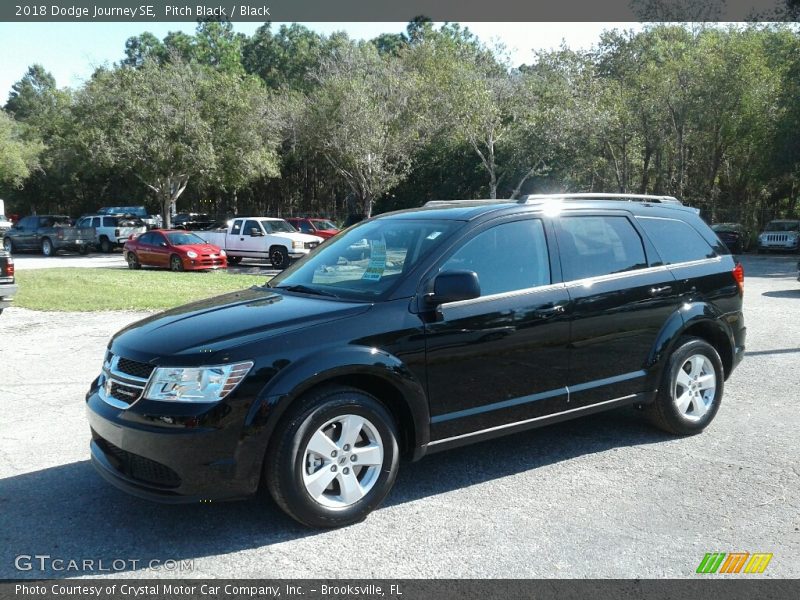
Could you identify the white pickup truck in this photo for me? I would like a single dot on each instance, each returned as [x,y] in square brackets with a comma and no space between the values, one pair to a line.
[261,237]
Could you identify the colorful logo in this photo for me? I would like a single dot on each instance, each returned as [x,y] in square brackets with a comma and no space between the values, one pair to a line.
[734,562]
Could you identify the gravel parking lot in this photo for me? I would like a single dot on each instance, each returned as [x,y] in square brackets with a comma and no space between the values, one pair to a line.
[604,496]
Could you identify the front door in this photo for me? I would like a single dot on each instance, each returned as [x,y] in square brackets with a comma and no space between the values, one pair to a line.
[501,358]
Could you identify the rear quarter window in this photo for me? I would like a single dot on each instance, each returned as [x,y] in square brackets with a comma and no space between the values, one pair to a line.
[675,240]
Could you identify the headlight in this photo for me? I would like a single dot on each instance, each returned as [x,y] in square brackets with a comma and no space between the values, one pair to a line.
[203,384]
[222,253]
[191,254]
[297,245]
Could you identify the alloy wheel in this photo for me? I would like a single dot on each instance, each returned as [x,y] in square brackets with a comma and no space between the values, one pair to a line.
[695,387]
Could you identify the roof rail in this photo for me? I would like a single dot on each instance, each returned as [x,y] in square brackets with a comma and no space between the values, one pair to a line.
[478,202]
[601,196]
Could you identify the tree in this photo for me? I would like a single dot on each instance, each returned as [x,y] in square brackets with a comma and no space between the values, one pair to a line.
[163,124]
[32,95]
[364,119]
[18,155]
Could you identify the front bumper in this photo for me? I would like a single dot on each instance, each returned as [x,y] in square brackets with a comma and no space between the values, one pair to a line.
[172,463]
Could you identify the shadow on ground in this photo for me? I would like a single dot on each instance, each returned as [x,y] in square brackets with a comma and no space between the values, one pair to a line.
[69,512]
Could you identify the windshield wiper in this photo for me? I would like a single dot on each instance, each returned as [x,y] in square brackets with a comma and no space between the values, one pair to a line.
[304,289]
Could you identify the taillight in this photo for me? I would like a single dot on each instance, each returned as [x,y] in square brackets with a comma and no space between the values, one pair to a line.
[116,233]
[60,233]
[10,267]
[738,275]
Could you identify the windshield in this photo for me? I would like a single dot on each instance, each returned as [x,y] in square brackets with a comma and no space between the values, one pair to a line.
[139,211]
[783,226]
[184,239]
[324,225]
[367,261]
[278,227]
[725,227]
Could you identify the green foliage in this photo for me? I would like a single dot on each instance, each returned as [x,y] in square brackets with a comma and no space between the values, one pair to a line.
[288,121]
[18,154]
[88,290]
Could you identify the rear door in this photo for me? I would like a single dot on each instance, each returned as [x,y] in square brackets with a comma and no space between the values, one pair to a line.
[621,297]
[501,358]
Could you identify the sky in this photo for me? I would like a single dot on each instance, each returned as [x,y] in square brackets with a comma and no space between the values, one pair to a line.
[71,51]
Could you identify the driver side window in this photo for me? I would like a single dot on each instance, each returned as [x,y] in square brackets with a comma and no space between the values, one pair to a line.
[507,257]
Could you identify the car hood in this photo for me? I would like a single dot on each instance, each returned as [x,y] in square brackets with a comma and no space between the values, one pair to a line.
[220,324]
[295,235]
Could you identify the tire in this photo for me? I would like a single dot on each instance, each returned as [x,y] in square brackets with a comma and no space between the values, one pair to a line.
[175,263]
[234,260]
[319,418]
[133,261]
[105,245]
[8,245]
[47,247]
[683,405]
[83,250]
[279,257]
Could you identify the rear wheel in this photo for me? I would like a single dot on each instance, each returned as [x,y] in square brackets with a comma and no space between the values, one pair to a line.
[175,263]
[691,389]
[83,250]
[47,247]
[334,457]
[279,257]
[133,261]
[8,245]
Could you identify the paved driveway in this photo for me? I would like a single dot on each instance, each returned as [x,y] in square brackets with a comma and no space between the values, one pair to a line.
[603,496]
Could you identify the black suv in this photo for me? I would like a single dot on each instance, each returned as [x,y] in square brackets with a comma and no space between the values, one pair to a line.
[456,322]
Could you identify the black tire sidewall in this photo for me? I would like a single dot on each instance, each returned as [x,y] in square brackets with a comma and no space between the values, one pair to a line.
[279,251]
[671,414]
[290,462]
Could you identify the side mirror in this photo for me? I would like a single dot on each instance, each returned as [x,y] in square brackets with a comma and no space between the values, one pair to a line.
[256,232]
[452,286]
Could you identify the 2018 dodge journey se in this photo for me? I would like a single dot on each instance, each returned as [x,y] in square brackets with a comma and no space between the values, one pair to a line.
[453,323]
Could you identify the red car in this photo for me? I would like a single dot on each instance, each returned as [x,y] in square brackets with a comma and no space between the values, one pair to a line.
[176,250]
[321,227]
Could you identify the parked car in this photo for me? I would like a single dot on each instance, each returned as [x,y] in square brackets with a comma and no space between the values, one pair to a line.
[321,227]
[8,287]
[261,237]
[150,221]
[781,234]
[112,231]
[48,234]
[734,235]
[192,221]
[173,249]
[315,384]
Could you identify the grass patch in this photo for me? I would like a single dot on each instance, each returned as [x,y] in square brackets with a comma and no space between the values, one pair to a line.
[88,290]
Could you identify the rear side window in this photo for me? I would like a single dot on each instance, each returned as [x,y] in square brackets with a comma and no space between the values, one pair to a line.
[507,257]
[237,227]
[109,221]
[675,240]
[591,246]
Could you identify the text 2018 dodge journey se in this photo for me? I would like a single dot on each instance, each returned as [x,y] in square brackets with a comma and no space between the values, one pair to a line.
[418,331]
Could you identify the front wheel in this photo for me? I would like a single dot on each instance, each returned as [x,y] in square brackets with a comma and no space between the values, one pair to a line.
[334,459]
[234,260]
[105,245]
[279,257]
[691,389]
[175,263]
[8,245]
[47,247]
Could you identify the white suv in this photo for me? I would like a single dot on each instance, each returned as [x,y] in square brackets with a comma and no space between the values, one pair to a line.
[781,234]
[112,230]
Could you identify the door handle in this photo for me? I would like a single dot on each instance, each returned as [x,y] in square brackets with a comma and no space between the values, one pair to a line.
[549,311]
[660,291]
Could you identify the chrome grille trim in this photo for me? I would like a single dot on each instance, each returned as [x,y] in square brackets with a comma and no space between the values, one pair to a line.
[112,377]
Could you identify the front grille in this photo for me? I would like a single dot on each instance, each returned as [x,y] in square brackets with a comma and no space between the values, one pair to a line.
[138,467]
[777,237]
[137,369]
[125,393]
